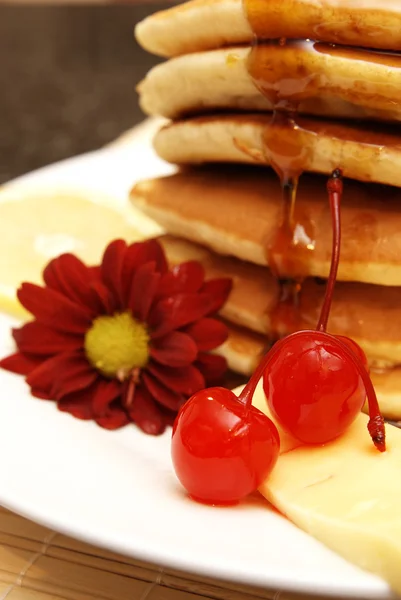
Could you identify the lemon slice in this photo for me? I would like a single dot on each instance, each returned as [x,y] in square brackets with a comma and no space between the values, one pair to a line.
[38,226]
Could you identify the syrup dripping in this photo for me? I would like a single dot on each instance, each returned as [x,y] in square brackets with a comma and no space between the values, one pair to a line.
[280,71]
[284,151]
[283,148]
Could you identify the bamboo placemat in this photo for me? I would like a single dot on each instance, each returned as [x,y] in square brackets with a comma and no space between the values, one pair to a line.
[39,564]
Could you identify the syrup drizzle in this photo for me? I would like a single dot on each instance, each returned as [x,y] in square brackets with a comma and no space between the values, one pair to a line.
[282,146]
[363,23]
[294,238]
[294,71]
[286,80]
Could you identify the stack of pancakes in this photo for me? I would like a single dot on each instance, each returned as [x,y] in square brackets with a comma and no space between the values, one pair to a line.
[237,109]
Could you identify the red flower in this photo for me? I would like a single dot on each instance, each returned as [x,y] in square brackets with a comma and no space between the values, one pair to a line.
[127,341]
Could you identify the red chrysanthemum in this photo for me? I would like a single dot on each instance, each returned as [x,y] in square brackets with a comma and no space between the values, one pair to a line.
[126,341]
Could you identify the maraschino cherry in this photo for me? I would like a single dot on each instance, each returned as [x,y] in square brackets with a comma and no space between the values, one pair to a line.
[223,448]
[316,383]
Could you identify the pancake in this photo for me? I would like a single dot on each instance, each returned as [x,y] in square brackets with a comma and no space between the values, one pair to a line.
[236,211]
[364,153]
[369,314]
[388,389]
[244,349]
[205,24]
[340,82]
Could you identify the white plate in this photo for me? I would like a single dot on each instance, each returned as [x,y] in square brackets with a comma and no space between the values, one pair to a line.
[117,489]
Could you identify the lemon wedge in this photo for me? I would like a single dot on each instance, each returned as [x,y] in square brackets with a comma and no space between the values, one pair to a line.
[38,226]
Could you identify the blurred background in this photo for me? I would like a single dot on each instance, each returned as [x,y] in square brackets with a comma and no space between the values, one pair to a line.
[67,80]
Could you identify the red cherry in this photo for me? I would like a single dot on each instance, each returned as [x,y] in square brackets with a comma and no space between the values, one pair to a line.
[313,389]
[316,383]
[222,448]
[324,392]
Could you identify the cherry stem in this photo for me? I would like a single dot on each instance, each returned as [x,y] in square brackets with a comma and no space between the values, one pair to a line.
[376,426]
[335,190]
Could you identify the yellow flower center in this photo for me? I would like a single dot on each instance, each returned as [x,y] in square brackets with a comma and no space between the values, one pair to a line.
[117,344]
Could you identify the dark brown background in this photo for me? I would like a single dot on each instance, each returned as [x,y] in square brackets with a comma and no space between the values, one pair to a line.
[67,80]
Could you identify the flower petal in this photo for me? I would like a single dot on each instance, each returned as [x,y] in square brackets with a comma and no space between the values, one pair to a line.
[169,415]
[78,403]
[144,286]
[175,349]
[35,338]
[145,413]
[76,374]
[152,251]
[186,277]
[212,367]
[177,311]
[68,275]
[41,395]
[111,270]
[115,418]
[161,394]
[62,374]
[19,363]
[218,290]
[189,276]
[132,261]
[167,286]
[53,309]
[208,333]
[106,392]
[106,302]
[41,378]
[95,273]
[138,254]
[183,380]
